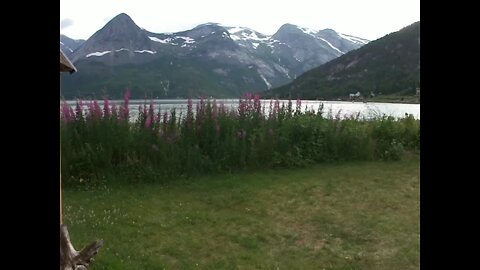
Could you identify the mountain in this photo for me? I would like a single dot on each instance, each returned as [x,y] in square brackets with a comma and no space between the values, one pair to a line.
[389,65]
[68,45]
[210,59]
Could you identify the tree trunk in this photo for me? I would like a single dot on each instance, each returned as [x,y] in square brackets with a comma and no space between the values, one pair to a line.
[70,259]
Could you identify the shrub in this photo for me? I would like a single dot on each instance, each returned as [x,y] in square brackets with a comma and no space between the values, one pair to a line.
[161,145]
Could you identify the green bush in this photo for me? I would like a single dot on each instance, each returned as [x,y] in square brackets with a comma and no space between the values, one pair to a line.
[162,146]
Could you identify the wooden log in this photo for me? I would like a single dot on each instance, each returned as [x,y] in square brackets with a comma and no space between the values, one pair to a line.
[70,259]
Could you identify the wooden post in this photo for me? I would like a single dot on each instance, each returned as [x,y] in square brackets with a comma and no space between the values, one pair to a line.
[70,259]
[60,159]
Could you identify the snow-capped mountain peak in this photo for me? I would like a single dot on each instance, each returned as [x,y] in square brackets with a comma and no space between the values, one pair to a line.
[238,57]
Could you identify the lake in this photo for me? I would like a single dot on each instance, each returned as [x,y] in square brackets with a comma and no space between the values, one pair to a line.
[343,108]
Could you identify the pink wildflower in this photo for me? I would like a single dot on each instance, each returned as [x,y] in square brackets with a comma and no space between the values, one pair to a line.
[97,111]
[106,107]
[148,121]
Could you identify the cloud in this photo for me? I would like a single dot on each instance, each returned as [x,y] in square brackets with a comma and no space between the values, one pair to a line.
[65,23]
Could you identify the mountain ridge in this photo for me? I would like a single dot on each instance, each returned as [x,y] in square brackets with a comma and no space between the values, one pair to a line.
[237,59]
[388,65]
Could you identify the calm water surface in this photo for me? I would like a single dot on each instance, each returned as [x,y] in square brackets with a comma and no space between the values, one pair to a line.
[340,108]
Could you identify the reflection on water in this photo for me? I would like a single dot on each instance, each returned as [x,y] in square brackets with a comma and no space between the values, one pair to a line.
[334,108]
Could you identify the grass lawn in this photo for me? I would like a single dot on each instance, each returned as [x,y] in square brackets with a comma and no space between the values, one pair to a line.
[356,215]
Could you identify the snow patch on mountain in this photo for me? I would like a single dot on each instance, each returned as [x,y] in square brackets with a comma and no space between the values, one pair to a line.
[98,53]
[188,40]
[119,50]
[146,51]
[281,69]
[309,31]
[354,39]
[164,41]
[170,40]
[331,46]
[246,35]
[269,85]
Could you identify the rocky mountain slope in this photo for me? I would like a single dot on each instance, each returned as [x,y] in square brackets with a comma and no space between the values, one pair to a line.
[389,65]
[210,59]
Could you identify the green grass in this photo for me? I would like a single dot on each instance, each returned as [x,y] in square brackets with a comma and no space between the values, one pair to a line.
[352,215]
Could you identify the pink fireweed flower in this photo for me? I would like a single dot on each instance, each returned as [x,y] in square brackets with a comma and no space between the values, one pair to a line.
[151,113]
[114,110]
[79,110]
[106,107]
[214,109]
[257,104]
[124,110]
[127,95]
[65,112]
[124,113]
[72,113]
[151,108]
[248,102]
[202,103]
[242,107]
[97,111]
[200,115]
[91,109]
[148,121]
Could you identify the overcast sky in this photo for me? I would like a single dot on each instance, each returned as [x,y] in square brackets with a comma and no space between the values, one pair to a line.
[370,19]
